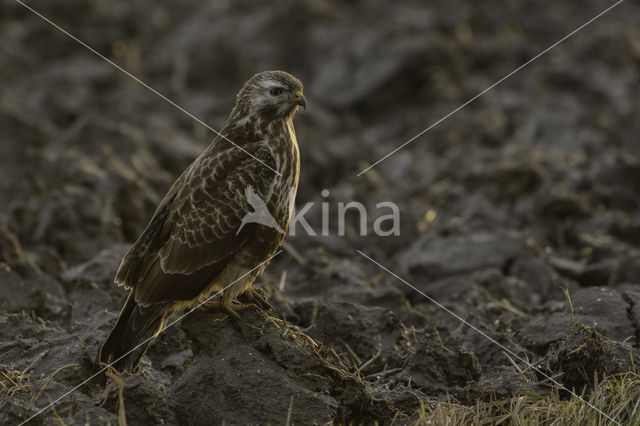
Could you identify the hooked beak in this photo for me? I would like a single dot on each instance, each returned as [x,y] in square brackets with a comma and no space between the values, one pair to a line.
[300,100]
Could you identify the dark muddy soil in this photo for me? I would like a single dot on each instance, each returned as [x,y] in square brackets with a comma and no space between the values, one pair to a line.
[530,189]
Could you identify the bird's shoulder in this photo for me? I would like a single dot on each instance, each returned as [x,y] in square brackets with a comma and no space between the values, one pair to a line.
[222,173]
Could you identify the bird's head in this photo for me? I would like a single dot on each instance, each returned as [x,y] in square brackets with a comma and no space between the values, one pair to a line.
[272,95]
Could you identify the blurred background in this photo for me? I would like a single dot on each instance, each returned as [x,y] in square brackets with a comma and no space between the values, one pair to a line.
[532,187]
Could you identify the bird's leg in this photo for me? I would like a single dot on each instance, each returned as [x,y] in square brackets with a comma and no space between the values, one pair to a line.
[256,296]
[229,307]
[213,305]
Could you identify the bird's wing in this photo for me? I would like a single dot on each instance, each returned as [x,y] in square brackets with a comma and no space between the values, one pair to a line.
[209,208]
[192,235]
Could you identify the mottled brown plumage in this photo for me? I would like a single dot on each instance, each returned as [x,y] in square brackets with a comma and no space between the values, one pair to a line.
[196,241]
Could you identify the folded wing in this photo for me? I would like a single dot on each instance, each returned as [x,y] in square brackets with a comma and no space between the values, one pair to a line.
[194,232]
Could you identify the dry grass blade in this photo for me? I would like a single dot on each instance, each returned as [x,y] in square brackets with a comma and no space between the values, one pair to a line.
[294,253]
[371,360]
[122,416]
[290,411]
[617,397]
[12,381]
[34,362]
[568,296]
[351,352]
[48,380]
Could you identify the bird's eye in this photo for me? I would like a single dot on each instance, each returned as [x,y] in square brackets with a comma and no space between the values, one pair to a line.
[276,91]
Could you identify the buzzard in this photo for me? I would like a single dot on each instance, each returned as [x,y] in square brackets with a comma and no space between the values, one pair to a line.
[199,239]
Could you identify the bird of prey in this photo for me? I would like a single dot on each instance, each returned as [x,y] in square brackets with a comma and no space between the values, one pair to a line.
[197,242]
